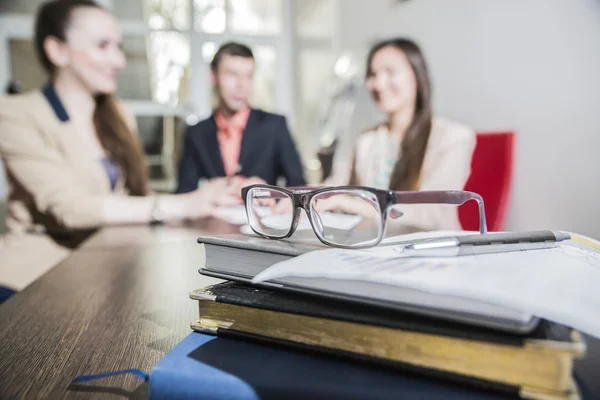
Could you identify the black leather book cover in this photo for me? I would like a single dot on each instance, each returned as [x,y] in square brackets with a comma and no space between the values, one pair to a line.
[252,296]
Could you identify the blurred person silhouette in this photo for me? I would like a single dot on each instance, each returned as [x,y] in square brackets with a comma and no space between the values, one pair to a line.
[237,140]
[412,149]
[73,159]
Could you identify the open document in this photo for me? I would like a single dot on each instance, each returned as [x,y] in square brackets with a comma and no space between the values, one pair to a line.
[559,284]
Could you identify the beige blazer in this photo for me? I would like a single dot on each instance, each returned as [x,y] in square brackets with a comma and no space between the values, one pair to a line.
[446,166]
[57,188]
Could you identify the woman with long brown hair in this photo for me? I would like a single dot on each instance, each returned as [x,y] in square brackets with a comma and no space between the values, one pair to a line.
[412,150]
[72,157]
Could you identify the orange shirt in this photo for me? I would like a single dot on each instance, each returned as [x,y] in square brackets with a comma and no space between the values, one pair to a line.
[229,134]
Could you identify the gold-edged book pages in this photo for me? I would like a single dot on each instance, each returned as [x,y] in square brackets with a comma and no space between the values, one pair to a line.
[541,369]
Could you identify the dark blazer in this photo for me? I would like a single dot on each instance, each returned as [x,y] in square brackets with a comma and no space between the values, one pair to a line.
[268,152]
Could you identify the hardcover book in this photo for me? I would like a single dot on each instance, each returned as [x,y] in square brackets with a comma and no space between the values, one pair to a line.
[536,365]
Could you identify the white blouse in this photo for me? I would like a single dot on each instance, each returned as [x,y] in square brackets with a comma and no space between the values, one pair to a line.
[446,166]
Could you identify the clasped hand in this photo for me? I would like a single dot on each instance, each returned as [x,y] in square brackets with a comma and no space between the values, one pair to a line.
[219,192]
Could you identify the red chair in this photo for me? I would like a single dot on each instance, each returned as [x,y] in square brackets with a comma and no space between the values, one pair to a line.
[491,177]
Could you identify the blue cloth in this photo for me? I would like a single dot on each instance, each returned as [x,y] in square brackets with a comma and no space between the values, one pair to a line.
[55,102]
[111,168]
[207,367]
[5,293]
[133,371]
[178,376]
[268,152]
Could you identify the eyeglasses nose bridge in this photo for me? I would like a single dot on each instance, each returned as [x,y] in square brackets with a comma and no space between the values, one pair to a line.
[303,200]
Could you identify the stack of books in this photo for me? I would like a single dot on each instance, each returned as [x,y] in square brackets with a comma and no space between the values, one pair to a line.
[491,347]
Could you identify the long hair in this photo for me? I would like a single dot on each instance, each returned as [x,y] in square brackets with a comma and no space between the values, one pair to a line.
[407,170]
[119,143]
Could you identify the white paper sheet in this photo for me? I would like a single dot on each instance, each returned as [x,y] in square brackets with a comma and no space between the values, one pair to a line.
[236,215]
[559,284]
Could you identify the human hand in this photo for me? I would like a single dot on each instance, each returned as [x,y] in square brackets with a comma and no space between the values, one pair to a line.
[239,182]
[204,201]
[224,191]
[253,180]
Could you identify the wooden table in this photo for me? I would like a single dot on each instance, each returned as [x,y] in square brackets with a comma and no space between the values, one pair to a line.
[120,301]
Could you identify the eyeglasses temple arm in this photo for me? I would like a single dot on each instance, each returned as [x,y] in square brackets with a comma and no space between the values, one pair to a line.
[482,219]
[456,197]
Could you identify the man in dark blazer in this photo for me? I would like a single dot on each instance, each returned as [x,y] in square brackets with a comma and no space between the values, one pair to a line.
[236,139]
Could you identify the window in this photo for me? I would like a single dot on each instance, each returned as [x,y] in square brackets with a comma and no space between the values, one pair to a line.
[168,14]
[210,16]
[257,17]
[170,58]
[315,34]
[254,17]
[168,45]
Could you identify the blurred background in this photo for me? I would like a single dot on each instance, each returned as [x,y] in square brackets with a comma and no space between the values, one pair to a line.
[527,66]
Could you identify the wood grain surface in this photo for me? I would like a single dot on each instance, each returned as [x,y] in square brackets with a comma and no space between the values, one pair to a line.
[121,301]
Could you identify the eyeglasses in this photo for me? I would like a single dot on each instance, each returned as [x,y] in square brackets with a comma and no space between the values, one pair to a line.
[344,216]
